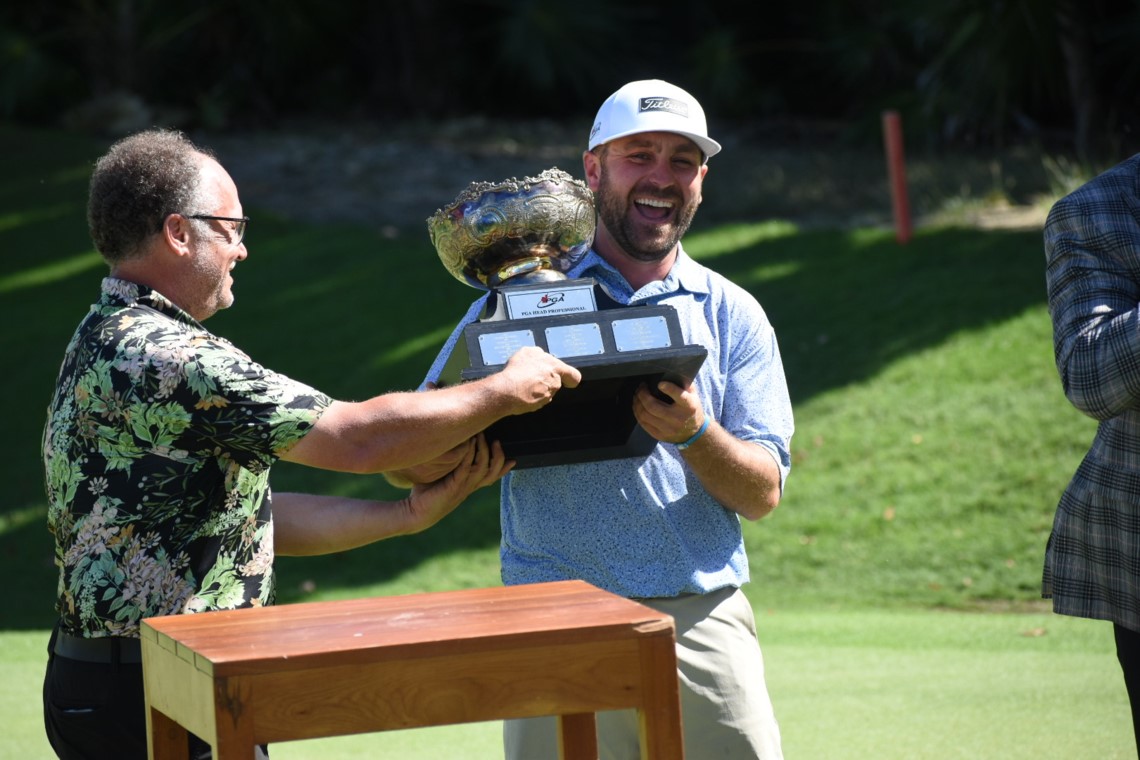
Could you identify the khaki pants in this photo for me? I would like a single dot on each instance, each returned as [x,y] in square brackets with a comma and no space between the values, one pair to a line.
[725,708]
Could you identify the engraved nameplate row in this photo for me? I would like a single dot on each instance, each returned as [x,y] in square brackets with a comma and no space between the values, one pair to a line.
[578,339]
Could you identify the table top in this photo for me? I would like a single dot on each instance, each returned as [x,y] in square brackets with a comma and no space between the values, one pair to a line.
[304,635]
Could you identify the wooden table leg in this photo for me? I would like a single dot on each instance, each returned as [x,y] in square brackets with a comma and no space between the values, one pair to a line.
[659,718]
[168,740]
[577,737]
[233,719]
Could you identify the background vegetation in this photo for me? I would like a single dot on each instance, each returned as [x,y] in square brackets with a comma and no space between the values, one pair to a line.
[971,72]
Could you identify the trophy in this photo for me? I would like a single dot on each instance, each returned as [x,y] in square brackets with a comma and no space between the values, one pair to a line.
[517,239]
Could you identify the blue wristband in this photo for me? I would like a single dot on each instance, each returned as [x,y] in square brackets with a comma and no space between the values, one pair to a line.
[696,435]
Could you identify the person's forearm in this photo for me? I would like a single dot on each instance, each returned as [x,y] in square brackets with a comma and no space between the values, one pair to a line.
[742,476]
[397,431]
[1096,358]
[308,524]
[1093,297]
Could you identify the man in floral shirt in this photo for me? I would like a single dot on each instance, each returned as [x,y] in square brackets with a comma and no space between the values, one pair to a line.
[160,437]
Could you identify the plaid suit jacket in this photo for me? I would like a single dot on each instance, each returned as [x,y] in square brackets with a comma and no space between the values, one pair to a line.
[1092,250]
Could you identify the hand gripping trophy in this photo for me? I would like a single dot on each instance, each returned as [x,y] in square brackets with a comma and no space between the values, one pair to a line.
[518,239]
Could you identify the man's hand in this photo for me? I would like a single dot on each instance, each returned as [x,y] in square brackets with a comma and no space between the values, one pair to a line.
[742,475]
[532,377]
[431,471]
[674,422]
[479,464]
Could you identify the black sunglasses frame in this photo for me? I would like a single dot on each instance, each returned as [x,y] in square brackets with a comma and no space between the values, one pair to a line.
[243,222]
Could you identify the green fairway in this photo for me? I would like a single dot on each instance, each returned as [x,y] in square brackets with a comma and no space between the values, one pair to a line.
[898,685]
[932,443]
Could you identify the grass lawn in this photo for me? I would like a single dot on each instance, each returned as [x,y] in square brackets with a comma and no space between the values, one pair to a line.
[893,685]
[896,587]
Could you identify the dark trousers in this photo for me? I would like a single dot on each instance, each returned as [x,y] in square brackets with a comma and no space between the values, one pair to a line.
[97,711]
[1128,652]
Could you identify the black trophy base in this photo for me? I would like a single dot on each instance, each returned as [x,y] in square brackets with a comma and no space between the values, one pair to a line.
[594,421]
[616,350]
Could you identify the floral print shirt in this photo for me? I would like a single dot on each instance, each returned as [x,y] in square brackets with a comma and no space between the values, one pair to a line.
[157,450]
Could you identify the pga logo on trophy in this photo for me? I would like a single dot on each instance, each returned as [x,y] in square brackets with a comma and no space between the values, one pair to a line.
[517,239]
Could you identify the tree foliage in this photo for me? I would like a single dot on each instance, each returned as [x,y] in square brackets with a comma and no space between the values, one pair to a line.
[979,72]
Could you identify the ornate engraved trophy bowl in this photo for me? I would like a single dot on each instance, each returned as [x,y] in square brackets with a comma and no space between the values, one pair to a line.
[522,230]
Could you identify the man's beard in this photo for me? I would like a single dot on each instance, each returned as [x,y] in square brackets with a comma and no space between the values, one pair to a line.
[614,212]
[207,287]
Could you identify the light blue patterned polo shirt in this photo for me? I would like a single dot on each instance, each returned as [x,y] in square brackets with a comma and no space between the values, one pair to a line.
[646,527]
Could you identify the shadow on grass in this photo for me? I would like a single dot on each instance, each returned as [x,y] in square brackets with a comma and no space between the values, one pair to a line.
[355,314]
[847,304]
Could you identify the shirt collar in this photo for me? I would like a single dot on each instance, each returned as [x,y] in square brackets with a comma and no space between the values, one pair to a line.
[685,275]
[117,293]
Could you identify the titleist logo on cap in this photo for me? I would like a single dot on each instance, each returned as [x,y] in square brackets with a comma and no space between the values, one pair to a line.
[669,105]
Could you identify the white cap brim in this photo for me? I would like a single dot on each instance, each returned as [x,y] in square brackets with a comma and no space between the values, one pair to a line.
[707,145]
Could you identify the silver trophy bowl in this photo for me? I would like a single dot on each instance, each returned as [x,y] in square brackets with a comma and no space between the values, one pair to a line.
[522,230]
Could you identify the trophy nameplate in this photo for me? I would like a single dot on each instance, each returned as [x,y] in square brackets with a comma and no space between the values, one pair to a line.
[488,238]
[541,300]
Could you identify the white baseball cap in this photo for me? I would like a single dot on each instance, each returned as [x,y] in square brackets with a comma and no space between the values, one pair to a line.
[651,105]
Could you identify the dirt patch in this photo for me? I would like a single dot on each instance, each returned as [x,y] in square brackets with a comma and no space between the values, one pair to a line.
[392,177]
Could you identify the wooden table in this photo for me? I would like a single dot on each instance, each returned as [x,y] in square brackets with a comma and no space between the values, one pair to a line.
[300,671]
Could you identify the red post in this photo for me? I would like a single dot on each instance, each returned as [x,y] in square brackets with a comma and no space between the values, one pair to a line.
[896,174]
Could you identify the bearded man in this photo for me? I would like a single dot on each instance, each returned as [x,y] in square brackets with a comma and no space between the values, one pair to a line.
[664,530]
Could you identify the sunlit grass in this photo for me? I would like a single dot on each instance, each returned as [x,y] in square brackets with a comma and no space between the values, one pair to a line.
[735,237]
[18,518]
[51,272]
[20,218]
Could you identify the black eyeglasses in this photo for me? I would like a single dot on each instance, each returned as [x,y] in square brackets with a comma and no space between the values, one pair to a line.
[240,222]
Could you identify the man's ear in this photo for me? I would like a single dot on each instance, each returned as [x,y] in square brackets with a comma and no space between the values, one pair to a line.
[593,168]
[176,234]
